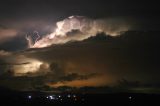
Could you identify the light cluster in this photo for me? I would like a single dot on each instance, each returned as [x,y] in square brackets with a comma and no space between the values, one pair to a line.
[58,97]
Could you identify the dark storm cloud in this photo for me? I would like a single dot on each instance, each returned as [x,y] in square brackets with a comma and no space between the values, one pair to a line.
[75,76]
[15,44]
[124,52]
[133,56]
[11,64]
[30,82]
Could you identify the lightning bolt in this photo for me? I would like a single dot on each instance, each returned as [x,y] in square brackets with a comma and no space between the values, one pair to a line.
[35,33]
[30,38]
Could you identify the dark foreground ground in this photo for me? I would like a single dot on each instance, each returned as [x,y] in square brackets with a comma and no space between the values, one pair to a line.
[50,99]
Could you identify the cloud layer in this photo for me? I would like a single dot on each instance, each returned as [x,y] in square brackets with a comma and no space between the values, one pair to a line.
[7,34]
[77,28]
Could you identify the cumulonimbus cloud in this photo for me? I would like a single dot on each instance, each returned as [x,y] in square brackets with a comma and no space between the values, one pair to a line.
[78,28]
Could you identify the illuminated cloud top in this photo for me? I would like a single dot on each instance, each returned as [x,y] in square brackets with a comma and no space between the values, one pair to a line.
[77,28]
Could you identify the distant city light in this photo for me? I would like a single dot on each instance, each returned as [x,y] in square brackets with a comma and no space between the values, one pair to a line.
[51,97]
[59,98]
[29,97]
[68,96]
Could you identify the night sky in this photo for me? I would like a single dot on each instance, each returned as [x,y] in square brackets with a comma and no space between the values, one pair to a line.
[79,43]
